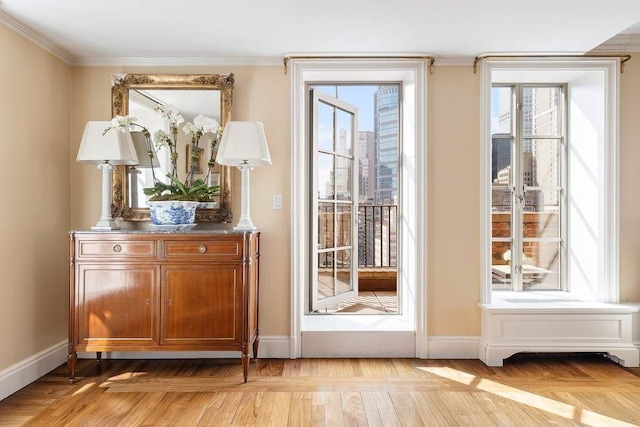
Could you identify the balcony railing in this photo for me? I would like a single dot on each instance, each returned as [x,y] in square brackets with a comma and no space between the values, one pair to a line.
[377,233]
[378,236]
[377,250]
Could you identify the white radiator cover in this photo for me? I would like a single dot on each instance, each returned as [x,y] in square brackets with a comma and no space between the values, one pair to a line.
[510,328]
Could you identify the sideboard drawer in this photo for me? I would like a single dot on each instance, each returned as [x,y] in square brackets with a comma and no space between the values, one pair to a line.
[112,249]
[220,248]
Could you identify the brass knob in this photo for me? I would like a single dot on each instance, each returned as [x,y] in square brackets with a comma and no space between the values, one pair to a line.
[117,248]
[202,249]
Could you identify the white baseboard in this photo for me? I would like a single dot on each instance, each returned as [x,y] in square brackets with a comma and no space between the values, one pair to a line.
[274,347]
[30,369]
[453,347]
[270,347]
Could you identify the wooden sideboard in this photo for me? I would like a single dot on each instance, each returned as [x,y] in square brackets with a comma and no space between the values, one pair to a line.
[163,291]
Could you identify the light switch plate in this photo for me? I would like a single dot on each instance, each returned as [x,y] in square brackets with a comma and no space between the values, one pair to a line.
[277,201]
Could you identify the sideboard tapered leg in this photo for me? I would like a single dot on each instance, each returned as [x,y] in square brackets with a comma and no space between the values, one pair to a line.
[71,364]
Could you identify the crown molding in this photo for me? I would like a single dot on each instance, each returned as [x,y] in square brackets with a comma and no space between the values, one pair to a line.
[176,61]
[35,38]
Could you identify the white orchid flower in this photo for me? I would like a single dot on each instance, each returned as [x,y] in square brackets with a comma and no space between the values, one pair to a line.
[170,114]
[161,139]
[176,119]
[199,122]
[202,124]
[121,123]
[188,128]
[211,126]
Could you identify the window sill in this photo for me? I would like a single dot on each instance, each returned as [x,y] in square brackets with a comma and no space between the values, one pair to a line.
[507,302]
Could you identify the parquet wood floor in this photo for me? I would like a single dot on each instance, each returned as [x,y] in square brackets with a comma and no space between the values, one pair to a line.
[530,390]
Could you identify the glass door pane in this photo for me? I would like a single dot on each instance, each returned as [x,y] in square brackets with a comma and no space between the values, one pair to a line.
[334,275]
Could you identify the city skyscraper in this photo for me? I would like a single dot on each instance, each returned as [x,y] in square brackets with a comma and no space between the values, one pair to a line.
[366,166]
[386,126]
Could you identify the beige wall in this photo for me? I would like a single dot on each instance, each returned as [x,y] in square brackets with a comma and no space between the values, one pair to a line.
[453,202]
[39,89]
[34,219]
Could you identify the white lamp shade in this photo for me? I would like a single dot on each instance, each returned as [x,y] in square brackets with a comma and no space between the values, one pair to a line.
[243,142]
[140,145]
[115,147]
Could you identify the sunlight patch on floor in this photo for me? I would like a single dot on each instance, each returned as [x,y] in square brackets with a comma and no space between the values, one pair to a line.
[530,399]
[84,388]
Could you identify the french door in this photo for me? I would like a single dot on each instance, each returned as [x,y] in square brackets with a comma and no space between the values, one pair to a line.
[334,200]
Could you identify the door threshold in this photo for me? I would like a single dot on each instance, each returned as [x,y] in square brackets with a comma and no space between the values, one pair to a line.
[352,344]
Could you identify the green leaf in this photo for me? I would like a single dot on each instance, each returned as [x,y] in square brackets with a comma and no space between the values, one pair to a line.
[180,185]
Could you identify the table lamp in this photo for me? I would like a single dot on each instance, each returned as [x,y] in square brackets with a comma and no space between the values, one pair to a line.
[244,145]
[105,150]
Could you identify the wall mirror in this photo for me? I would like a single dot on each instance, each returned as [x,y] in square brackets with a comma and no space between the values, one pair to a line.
[191,94]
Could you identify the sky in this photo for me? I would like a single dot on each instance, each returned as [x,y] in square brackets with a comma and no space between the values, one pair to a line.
[360,96]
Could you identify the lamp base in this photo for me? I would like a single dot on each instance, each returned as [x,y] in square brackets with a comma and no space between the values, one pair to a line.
[105,225]
[245,224]
[106,222]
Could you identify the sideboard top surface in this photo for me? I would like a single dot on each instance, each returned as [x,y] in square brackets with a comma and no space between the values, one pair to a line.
[158,232]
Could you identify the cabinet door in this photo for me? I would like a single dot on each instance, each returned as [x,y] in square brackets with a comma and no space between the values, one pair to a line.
[117,305]
[202,305]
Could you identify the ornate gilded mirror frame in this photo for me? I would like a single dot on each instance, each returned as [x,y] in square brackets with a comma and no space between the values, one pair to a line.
[121,84]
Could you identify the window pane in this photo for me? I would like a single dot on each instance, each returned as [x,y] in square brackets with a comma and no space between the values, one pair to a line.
[343,178]
[541,266]
[343,225]
[501,160]
[501,265]
[325,176]
[541,111]
[501,224]
[541,225]
[325,127]
[345,131]
[542,201]
[326,282]
[501,118]
[343,276]
[325,225]
[500,198]
[545,163]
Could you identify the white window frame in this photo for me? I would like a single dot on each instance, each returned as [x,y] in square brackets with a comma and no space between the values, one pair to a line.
[411,322]
[564,70]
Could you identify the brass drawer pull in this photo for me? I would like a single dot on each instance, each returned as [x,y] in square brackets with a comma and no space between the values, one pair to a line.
[117,249]
[202,249]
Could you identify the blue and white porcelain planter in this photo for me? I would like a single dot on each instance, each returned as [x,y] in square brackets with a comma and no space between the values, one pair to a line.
[172,212]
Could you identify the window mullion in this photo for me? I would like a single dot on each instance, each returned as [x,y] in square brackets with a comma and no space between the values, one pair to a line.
[518,194]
